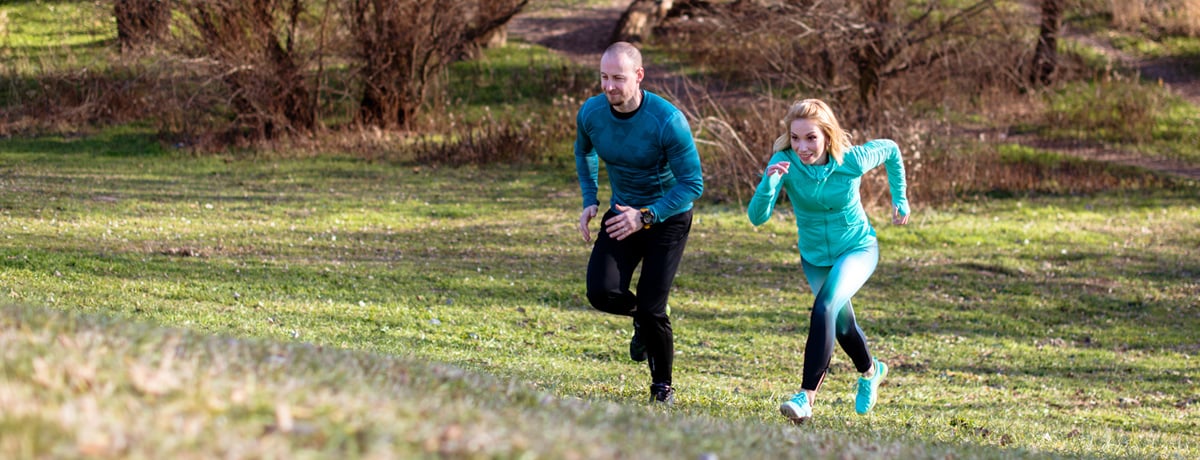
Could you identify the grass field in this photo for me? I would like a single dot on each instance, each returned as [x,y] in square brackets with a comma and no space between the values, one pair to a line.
[160,304]
[336,307]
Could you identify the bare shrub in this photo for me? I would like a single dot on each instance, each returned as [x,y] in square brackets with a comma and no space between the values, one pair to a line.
[1177,17]
[734,140]
[402,46]
[140,22]
[529,138]
[861,56]
[62,101]
[257,49]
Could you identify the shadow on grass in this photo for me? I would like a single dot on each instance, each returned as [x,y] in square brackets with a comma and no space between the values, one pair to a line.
[110,143]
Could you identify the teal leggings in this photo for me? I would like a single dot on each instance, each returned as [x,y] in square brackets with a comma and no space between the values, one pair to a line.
[832,315]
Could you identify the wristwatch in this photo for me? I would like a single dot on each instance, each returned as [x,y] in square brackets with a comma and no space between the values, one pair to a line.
[647,218]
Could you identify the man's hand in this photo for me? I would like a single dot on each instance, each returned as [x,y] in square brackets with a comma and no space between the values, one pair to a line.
[627,222]
[586,218]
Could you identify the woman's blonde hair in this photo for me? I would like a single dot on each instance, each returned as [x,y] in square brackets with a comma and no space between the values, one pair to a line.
[836,140]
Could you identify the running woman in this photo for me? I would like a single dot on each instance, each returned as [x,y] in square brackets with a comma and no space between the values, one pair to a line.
[821,172]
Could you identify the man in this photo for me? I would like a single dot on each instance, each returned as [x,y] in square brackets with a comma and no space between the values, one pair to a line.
[654,171]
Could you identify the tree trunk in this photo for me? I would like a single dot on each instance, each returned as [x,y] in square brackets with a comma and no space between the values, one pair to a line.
[640,18]
[384,107]
[872,52]
[1045,56]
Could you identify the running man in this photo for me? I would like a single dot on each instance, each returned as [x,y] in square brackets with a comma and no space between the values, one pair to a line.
[654,172]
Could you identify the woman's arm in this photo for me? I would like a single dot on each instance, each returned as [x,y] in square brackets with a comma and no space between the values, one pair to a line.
[762,204]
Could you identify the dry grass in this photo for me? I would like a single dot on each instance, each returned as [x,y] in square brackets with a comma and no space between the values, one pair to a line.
[1190,17]
[1127,14]
[1173,16]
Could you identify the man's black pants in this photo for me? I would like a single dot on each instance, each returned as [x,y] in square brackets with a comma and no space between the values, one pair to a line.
[610,271]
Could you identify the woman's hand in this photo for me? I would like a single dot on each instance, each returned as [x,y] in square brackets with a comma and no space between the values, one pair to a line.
[780,168]
[897,218]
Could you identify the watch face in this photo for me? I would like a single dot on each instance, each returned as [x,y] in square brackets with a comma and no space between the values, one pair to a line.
[647,217]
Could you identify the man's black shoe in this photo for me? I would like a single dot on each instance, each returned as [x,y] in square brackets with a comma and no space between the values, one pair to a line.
[662,393]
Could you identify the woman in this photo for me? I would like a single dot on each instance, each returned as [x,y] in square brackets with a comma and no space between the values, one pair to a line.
[821,172]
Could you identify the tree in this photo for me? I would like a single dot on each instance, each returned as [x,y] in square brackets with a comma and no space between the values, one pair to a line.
[1045,55]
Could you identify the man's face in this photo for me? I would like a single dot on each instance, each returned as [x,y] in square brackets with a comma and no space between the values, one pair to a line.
[619,79]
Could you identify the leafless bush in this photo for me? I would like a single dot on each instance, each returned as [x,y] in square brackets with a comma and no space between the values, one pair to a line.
[734,140]
[943,162]
[533,139]
[141,22]
[70,101]
[258,49]
[402,46]
[864,56]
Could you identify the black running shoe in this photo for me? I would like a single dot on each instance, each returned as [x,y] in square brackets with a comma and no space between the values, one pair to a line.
[637,349]
[662,393]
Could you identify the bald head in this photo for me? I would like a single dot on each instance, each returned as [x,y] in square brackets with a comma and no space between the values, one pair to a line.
[625,50]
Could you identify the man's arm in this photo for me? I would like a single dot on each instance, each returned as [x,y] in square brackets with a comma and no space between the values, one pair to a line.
[587,164]
[684,161]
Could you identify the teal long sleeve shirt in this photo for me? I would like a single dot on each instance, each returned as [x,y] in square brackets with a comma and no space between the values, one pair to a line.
[651,158]
[830,219]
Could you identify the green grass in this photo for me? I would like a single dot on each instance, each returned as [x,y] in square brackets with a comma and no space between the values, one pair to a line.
[516,80]
[1135,116]
[176,306]
[1061,325]
[48,35]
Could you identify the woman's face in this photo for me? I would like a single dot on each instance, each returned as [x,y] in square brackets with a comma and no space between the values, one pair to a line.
[809,142]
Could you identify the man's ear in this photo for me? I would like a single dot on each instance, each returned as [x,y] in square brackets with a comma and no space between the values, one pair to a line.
[641,73]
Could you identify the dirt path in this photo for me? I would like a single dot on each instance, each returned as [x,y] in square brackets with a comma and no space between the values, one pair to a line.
[582,33]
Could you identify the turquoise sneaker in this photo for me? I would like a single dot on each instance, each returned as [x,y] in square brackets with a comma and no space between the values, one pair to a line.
[797,409]
[868,389]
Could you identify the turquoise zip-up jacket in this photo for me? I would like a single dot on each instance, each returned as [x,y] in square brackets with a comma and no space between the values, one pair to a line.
[830,219]
[650,158]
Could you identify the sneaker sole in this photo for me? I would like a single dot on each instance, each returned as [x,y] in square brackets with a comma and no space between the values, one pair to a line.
[791,414]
